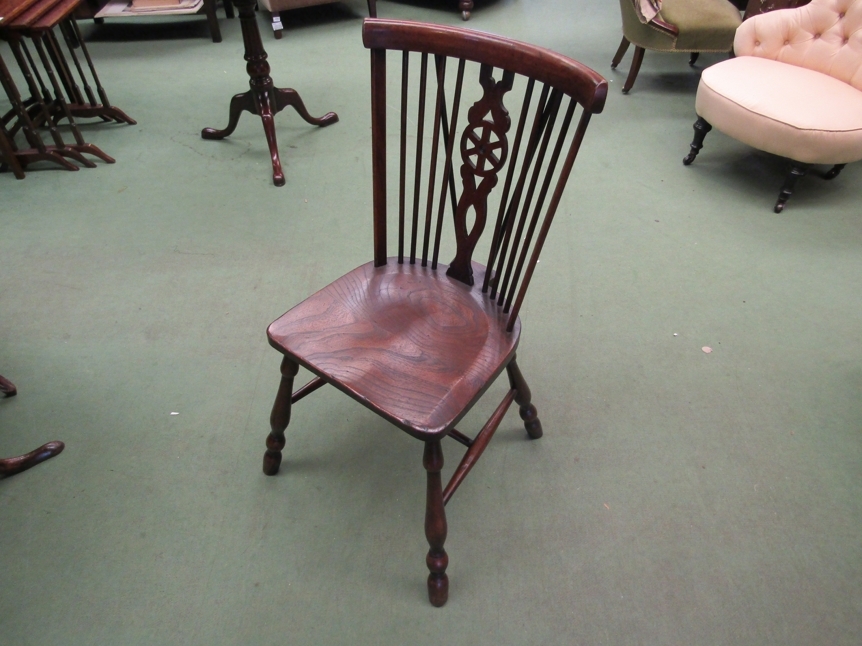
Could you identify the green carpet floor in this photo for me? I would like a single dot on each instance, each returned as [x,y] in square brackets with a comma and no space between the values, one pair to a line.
[677,497]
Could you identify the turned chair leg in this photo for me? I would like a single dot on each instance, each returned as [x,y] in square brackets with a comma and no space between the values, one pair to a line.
[523,398]
[435,526]
[701,127]
[621,51]
[797,171]
[637,59]
[280,418]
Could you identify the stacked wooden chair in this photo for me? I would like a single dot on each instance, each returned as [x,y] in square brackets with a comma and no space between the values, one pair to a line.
[52,87]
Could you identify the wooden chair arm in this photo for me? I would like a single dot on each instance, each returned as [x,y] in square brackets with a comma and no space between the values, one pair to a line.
[664,27]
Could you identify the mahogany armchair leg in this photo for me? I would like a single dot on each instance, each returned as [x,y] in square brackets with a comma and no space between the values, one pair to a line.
[701,128]
[637,59]
[621,51]
[280,418]
[797,171]
[435,526]
[523,398]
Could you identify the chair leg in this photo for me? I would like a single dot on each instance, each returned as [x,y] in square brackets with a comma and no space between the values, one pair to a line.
[833,172]
[523,398]
[637,59]
[280,418]
[621,51]
[7,387]
[693,58]
[701,127]
[435,526]
[796,171]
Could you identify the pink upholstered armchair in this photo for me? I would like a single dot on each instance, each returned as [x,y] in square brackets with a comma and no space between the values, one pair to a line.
[794,88]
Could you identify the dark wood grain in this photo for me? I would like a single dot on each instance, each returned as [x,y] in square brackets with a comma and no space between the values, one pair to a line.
[415,340]
[410,343]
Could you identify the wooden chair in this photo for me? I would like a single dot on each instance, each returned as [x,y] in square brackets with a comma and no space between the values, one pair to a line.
[691,26]
[417,341]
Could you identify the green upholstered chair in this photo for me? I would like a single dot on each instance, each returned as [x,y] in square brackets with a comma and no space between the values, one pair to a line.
[692,26]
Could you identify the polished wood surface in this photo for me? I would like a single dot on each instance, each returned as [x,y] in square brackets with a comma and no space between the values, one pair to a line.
[414,339]
[263,99]
[414,345]
[11,466]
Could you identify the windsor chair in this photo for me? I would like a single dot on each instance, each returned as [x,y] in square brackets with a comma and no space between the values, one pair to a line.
[411,338]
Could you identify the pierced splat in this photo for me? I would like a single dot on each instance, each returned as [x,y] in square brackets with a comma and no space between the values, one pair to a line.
[484,148]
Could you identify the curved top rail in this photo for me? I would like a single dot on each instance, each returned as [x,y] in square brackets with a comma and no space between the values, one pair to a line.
[579,81]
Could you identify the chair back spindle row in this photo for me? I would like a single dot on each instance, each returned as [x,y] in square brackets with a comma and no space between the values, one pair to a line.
[462,168]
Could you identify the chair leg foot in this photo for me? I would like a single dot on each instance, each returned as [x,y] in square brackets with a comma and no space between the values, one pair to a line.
[637,59]
[7,387]
[435,526]
[693,58]
[280,418]
[701,128]
[833,172]
[796,172]
[523,398]
[11,466]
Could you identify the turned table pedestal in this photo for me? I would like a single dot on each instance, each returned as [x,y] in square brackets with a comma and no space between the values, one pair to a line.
[263,98]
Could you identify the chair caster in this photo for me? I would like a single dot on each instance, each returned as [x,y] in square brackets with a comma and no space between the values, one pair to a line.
[465,15]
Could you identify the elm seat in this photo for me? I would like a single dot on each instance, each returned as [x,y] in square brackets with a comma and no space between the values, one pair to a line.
[692,26]
[794,89]
[416,314]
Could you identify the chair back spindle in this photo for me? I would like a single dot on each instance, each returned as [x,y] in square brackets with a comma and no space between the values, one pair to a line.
[529,165]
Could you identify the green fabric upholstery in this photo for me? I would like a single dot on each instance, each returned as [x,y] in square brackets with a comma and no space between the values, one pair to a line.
[704,26]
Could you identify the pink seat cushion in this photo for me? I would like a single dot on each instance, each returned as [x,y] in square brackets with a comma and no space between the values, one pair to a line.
[783,109]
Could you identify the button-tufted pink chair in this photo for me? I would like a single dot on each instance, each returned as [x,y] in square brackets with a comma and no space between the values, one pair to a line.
[794,88]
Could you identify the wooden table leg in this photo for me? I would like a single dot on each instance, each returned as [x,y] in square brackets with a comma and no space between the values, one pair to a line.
[39,150]
[7,154]
[262,99]
[103,110]
[11,466]
[80,145]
